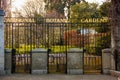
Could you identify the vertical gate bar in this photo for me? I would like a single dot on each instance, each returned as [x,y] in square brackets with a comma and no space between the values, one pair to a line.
[83,44]
[25,45]
[94,60]
[28,50]
[47,36]
[36,35]
[13,55]
[18,42]
[14,43]
[66,43]
[18,45]
[71,43]
[42,34]
[101,35]
[10,35]
[7,34]
[60,43]
[47,41]
[91,63]
[77,36]
[88,37]
[24,52]
[30,46]
[48,61]
[67,33]
[53,36]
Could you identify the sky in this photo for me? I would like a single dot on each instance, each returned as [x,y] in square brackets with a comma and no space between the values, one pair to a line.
[96,1]
[19,3]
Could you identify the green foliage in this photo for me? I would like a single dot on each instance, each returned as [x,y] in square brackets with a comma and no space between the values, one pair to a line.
[59,5]
[102,27]
[93,50]
[59,8]
[101,42]
[38,18]
[84,10]
[56,5]
[104,9]
[25,48]
[58,48]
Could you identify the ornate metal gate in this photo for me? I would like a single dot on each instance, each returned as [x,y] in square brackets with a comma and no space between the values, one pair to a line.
[57,49]
[18,38]
[56,35]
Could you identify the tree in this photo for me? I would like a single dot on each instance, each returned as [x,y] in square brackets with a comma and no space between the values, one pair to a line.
[6,6]
[115,30]
[58,6]
[32,8]
[104,8]
[84,10]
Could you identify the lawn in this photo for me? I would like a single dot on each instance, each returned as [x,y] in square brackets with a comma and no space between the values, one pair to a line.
[55,49]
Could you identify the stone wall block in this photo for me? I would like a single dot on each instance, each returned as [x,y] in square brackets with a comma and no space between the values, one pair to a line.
[75,61]
[39,61]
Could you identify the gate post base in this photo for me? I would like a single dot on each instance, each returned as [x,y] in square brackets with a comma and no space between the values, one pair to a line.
[2,72]
[8,72]
[75,71]
[106,59]
[8,61]
[39,61]
[39,71]
[75,61]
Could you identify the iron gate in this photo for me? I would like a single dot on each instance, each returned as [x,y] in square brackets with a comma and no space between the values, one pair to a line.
[57,35]
[56,48]
[18,39]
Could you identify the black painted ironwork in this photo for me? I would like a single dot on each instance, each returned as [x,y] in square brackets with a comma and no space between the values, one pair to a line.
[57,35]
[17,38]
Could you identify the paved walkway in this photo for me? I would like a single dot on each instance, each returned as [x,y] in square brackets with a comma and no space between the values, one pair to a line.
[56,77]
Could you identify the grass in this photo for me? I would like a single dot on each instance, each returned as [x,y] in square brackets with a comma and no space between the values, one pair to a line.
[27,48]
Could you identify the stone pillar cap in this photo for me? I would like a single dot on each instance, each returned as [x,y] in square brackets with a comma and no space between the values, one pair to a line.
[107,50]
[39,50]
[2,13]
[75,50]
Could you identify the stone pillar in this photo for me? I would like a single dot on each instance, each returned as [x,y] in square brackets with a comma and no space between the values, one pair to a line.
[39,61]
[2,71]
[75,61]
[106,61]
[8,61]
